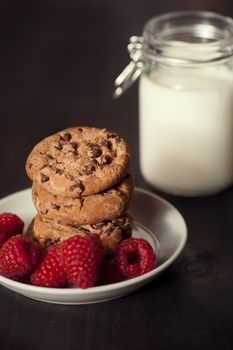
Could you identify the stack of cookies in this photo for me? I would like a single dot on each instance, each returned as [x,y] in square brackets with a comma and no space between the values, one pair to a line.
[81,185]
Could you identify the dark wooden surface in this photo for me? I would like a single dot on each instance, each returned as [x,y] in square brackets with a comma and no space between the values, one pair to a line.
[58,61]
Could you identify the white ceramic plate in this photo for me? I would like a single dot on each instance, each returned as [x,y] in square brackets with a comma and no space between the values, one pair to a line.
[156,220]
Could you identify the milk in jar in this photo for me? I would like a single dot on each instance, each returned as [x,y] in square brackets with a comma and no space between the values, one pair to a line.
[186,130]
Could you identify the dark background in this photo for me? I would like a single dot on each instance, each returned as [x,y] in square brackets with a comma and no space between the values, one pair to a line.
[58,61]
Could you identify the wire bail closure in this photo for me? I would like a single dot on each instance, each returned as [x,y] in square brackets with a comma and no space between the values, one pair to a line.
[134,69]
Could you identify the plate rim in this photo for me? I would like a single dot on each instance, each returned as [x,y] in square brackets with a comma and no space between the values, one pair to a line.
[109,287]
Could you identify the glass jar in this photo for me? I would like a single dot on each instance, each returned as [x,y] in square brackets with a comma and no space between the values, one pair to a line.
[185,64]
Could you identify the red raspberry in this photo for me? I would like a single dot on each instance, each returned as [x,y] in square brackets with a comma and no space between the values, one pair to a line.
[134,257]
[18,257]
[82,256]
[12,224]
[3,236]
[109,273]
[50,272]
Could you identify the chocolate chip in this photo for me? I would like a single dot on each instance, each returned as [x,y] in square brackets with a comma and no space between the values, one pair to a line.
[74,145]
[49,157]
[67,137]
[109,145]
[59,171]
[112,135]
[119,222]
[80,129]
[96,151]
[78,185]
[104,143]
[44,166]
[117,139]
[88,170]
[108,232]
[54,206]
[94,162]
[48,242]
[44,178]
[108,160]
[99,225]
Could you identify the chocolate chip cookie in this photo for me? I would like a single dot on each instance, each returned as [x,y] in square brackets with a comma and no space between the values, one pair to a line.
[87,209]
[46,233]
[79,161]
